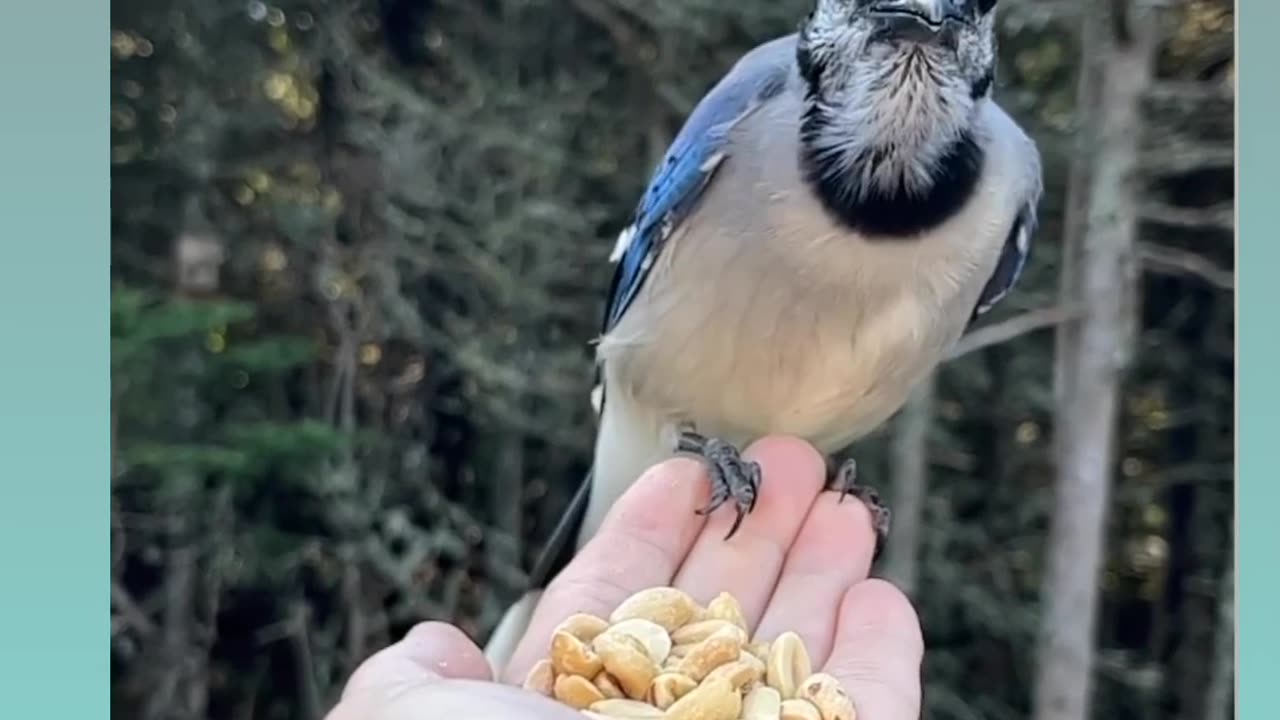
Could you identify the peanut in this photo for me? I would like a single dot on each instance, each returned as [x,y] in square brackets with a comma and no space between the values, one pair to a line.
[607,685]
[571,656]
[694,633]
[788,664]
[576,691]
[726,607]
[627,661]
[583,626]
[668,688]
[541,678]
[721,647]
[625,709]
[738,672]
[665,606]
[651,635]
[825,693]
[763,703]
[713,700]
[796,709]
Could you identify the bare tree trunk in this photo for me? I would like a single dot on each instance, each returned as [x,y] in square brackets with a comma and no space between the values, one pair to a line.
[506,498]
[179,681]
[910,467]
[1090,366]
[1218,699]
[308,692]
[169,696]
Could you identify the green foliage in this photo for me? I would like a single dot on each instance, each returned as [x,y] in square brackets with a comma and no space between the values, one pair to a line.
[175,459]
[298,445]
[270,355]
[144,324]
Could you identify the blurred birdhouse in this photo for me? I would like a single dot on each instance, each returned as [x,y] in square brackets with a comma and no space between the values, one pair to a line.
[198,254]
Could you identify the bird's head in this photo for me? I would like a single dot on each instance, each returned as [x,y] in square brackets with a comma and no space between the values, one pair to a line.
[940,45]
[892,86]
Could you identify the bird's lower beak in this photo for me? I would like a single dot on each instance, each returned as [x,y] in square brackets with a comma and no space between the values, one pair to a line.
[925,21]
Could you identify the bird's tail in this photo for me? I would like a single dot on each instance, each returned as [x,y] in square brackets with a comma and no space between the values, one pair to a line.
[563,542]
[557,553]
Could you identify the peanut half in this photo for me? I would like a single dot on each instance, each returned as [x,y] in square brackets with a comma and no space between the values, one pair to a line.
[576,691]
[583,626]
[712,700]
[763,703]
[825,693]
[739,673]
[726,607]
[796,709]
[788,664]
[655,639]
[665,606]
[670,687]
[625,710]
[608,685]
[627,661]
[571,656]
[696,632]
[541,678]
[721,647]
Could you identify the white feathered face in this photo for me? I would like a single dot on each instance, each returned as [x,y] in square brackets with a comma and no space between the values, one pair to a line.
[947,43]
[893,87]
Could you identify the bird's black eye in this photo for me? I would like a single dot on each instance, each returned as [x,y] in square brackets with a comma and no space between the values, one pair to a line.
[984,6]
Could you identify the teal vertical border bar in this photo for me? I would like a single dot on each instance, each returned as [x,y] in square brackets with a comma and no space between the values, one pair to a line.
[1258,358]
[54,344]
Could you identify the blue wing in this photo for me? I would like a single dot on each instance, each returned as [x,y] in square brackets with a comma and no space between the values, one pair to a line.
[1013,259]
[684,173]
[686,170]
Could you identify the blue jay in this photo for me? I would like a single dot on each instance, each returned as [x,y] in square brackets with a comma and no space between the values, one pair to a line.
[833,216]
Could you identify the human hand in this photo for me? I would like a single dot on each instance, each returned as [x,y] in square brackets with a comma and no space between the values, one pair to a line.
[799,562]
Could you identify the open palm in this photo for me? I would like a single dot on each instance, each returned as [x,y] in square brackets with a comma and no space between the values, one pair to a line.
[799,562]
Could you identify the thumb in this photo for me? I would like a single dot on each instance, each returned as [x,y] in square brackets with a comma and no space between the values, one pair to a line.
[430,651]
[436,671]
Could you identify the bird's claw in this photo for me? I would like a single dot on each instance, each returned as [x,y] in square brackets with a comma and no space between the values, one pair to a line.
[732,477]
[845,481]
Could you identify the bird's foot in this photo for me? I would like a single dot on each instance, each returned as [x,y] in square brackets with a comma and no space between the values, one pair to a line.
[732,478]
[845,481]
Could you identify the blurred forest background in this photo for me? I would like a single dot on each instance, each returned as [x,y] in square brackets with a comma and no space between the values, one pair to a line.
[359,249]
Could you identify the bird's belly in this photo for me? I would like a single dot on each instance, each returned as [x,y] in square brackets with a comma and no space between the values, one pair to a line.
[760,358]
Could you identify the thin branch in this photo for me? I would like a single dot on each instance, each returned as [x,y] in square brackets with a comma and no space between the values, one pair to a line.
[1171,157]
[300,641]
[1218,697]
[352,598]
[1215,217]
[910,451]
[1171,261]
[132,614]
[1010,329]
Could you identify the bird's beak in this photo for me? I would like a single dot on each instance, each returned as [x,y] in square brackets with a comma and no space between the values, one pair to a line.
[924,21]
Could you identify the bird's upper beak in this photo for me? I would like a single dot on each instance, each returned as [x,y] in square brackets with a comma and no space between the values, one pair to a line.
[924,21]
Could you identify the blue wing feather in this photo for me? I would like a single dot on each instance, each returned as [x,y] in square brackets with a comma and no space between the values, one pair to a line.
[684,173]
[1013,259]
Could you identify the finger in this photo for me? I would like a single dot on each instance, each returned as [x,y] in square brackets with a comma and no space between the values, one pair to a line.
[640,544]
[747,564]
[878,651]
[831,553]
[429,651]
